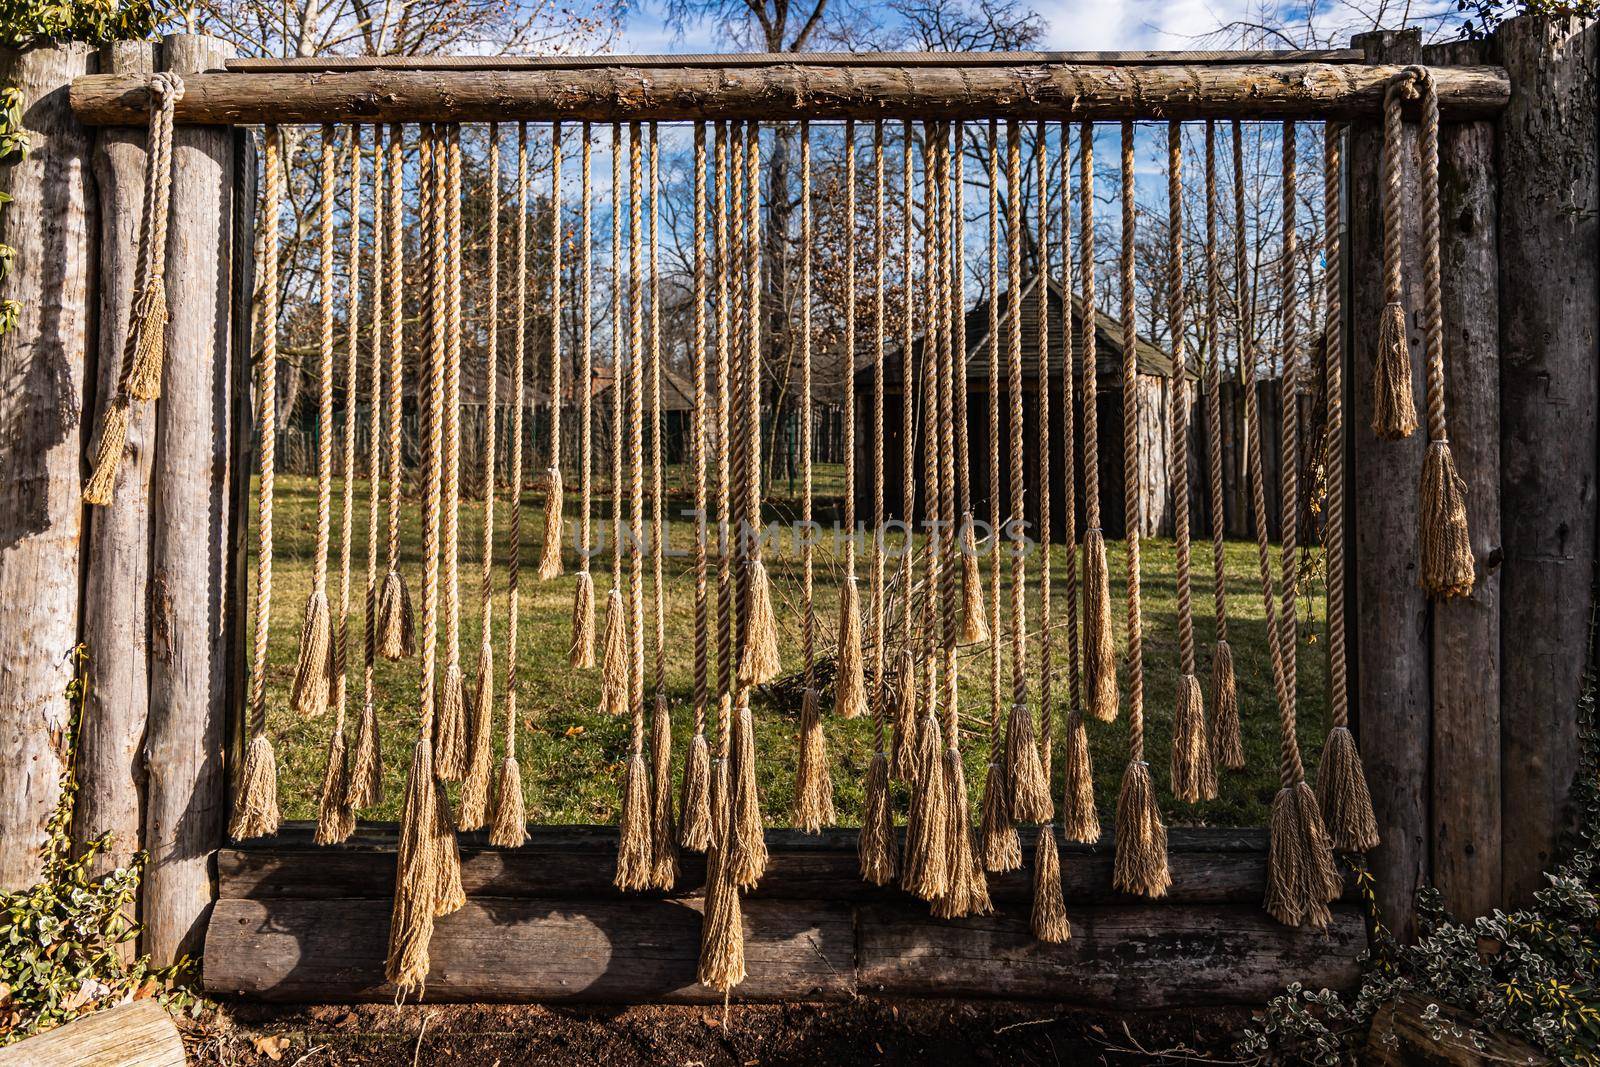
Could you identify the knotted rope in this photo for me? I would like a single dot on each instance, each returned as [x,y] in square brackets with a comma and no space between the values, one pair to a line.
[1194,776]
[581,654]
[1141,859]
[550,550]
[1342,790]
[1099,652]
[510,815]
[255,804]
[144,349]
[397,638]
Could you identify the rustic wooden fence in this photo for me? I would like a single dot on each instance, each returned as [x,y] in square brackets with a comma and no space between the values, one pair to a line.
[1464,709]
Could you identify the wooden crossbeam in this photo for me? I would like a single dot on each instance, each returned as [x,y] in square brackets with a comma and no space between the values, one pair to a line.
[787,90]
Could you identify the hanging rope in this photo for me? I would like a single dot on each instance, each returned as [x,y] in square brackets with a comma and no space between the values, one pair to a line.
[550,551]
[144,349]
[397,638]
[474,808]
[974,629]
[1099,651]
[875,845]
[1001,849]
[424,879]
[903,760]
[696,804]
[1141,859]
[581,655]
[813,785]
[509,829]
[336,819]
[1194,776]
[311,689]
[1394,413]
[1079,820]
[255,804]
[364,781]
[1342,790]
[664,833]
[614,663]
[850,693]
[759,662]
[635,852]
[1446,544]
[1227,746]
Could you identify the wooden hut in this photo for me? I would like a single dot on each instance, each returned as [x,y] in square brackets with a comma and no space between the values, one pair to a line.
[1156,389]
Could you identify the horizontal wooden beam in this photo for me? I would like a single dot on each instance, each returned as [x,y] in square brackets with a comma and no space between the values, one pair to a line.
[788,91]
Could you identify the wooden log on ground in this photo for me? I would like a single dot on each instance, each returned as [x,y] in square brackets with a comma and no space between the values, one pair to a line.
[785,90]
[117,542]
[499,949]
[1390,641]
[1549,322]
[186,808]
[51,222]
[1466,631]
[1416,1030]
[1208,867]
[137,1034]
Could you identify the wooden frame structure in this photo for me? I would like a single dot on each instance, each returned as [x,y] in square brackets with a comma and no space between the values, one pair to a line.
[1445,696]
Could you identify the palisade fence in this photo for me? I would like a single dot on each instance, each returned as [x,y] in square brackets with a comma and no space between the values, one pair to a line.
[1463,708]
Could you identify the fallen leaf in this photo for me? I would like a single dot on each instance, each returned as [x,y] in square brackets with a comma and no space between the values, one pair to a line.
[272,1047]
[711,1020]
[574,731]
[146,990]
[5,995]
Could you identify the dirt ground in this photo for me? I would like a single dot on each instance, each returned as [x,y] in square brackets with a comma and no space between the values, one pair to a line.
[866,1031]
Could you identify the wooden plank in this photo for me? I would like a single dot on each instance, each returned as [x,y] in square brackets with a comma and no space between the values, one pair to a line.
[1124,957]
[1403,1034]
[1392,707]
[1549,310]
[185,807]
[51,222]
[785,90]
[1466,631]
[117,541]
[136,1034]
[278,65]
[641,949]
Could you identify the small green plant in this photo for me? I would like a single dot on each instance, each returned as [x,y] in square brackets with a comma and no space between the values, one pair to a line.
[25,22]
[1482,16]
[62,940]
[1533,972]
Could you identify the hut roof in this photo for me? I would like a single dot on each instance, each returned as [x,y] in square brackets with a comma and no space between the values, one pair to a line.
[1108,340]
[677,393]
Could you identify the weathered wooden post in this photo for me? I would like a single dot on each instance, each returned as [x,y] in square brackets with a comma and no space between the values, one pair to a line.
[185,805]
[117,538]
[1466,780]
[1549,323]
[1392,693]
[51,224]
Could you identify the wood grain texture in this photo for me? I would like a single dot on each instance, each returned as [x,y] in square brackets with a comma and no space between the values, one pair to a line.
[1129,957]
[52,223]
[498,949]
[1390,641]
[1549,325]
[1466,631]
[1401,1037]
[138,1034]
[185,804]
[117,541]
[785,90]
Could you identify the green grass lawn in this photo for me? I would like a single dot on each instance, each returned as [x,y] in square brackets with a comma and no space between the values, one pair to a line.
[572,757]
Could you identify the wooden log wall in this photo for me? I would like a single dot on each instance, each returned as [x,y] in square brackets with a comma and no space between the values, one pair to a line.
[51,222]
[544,922]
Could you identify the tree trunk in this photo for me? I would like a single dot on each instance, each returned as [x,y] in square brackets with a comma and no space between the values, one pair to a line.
[51,224]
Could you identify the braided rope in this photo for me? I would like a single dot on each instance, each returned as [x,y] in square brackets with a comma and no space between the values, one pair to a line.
[1019,682]
[1176,311]
[451,545]
[1046,657]
[880,282]
[697,433]
[1133,508]
[635,421]
[394,286]
[341,644]
[1288,622]
[1219,562]
[808,620]
[519,349]
[266,424]
[1332,164]
[996,702]
[658,529]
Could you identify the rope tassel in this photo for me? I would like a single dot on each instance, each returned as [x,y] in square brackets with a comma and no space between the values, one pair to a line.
[1394,412]
[1000,849]
[695,833]
[474,800]
[1079,819]
[309,693]
[1227,742]
[550,555]
[813,785]
[614,663]
[397,632]
[973,628]
[875,847]
[1030,793]
[850,696]
[1049,918]
[581,655]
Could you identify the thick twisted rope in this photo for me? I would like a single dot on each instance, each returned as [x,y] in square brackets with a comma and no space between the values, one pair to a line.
[950,542]
[550,551]
[1433,299]
[698,431]
[584,653]
[519,348]
[752,393]
[727,615]
[1219,561]
[266,424]
[1177,311]
[849,350]
[1132,488]
[1333,458]
[616,358]
[375,340]
[1091,320]
[451,545]
[808,619]
[996,700]
[1069,501]
[329,178]
[433,486]
[974,626]
[1288,622]
[635,422]
[490,390]
[880,284]
[341,644]
[1046,652]
[394,286]
[658,528]
[1019,680]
